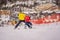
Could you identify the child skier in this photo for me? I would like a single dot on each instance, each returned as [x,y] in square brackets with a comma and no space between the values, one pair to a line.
[27,21]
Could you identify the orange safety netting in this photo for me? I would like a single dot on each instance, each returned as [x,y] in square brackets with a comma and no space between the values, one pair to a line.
[53,18]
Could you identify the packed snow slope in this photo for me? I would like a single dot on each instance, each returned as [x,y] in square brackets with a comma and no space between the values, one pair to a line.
[38,32]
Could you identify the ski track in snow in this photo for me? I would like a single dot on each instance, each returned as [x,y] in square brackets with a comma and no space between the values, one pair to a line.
[38,32]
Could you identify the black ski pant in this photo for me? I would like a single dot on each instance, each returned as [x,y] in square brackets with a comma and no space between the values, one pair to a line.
[19,23]
[29,24]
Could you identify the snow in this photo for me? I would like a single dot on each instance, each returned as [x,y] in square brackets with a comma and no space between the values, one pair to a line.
[48,11]
[38,32]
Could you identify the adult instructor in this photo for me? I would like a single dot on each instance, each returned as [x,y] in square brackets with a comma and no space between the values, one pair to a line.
[21,17]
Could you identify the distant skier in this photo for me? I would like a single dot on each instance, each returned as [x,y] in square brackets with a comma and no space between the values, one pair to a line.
[21,17]
[27,21]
